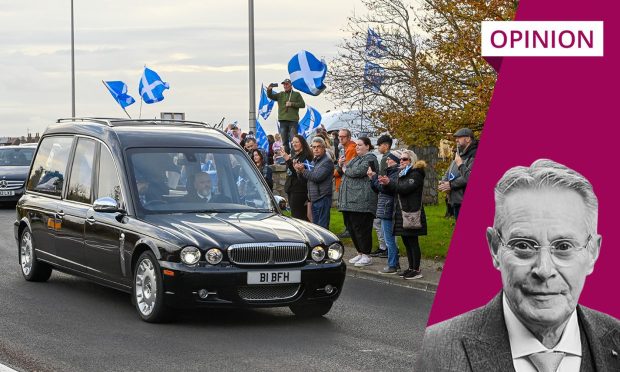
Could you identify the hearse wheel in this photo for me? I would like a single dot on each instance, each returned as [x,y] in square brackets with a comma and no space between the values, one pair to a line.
[33,270]
[148,289]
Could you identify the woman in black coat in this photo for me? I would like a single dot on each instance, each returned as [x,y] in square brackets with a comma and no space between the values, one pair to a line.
[297,187]
[259,160]
[408,197]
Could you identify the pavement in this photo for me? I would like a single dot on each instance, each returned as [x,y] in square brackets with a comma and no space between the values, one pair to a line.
[430,269]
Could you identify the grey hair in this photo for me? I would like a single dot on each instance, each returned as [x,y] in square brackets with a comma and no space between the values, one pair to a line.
[411,155]
[319,140]
[545,173]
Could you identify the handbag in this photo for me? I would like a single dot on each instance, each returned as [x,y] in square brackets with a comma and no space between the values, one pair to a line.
[411,220]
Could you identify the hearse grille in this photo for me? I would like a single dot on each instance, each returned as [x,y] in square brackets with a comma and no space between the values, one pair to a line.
[267,253]
[272,292]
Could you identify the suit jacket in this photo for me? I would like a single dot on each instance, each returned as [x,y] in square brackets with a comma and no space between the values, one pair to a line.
[478,341]
[215,198]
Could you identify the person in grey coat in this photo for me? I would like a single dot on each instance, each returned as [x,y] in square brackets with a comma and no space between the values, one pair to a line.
[357,201]
[320,174]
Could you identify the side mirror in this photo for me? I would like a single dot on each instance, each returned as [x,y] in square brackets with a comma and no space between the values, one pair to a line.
[107,205]
[282,204]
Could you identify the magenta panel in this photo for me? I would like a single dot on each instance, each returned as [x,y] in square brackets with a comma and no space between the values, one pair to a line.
[564,109]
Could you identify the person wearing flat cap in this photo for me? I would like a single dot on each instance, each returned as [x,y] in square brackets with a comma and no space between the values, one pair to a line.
[455,180]
[289,103]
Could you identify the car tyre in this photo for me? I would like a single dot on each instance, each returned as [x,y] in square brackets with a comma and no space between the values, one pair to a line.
[311,310]
[148,289]
[33,270]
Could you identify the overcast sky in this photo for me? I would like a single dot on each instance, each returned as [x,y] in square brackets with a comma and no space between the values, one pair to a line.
[199,47]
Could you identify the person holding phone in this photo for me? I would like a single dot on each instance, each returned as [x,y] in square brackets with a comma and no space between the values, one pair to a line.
[357,201]
[289,103]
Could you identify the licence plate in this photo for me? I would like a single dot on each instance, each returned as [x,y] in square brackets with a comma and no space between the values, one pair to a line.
[274,277]
[7,193]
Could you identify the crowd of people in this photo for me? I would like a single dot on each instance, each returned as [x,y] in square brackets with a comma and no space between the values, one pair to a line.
[384,194]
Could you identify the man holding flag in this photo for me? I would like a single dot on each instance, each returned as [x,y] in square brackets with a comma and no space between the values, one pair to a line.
[289,103]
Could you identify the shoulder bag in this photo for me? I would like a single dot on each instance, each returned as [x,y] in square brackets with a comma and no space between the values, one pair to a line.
[411,220]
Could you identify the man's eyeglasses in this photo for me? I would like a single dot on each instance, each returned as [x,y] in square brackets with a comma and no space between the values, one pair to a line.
[404,159]
[562,250]
[317,147]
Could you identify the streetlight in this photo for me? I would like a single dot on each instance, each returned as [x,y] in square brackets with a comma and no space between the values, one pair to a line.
[251,67]
[72,66]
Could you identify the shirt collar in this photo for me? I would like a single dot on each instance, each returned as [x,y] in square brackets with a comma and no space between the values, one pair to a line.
[523,342]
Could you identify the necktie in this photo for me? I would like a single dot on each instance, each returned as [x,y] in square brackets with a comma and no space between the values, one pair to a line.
[546,362]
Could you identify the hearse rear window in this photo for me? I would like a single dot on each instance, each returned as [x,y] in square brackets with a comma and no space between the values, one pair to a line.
[50,164]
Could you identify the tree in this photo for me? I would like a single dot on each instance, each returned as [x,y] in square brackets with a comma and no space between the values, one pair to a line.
[393,21]
[435,80]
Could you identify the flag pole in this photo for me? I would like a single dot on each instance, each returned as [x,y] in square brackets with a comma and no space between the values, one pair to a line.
[140,93]
[252,66]
[72,65]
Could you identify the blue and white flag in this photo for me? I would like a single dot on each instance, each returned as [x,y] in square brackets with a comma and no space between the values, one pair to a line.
[118,90]
[308,165]
[152,87]
[307,73]
[265,105]
[373,77]
[261,137]
[374,45]
[310,121]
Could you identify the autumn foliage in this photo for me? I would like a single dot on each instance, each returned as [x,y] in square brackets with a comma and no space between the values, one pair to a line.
[435,80]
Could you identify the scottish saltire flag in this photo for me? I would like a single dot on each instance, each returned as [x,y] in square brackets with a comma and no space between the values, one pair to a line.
[118,90]
[265,105]
[261,137]
[307,73]
[152,87]
[310,121]
[374,45]
[308,165]
[373,77]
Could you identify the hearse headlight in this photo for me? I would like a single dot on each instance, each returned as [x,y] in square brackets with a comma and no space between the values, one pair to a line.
[335,251]
[190,255]
[214,256]
[318,254]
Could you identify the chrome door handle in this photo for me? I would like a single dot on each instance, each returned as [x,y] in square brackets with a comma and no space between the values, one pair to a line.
[91,220]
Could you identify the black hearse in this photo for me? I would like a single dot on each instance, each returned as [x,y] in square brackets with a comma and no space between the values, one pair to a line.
[174,213]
